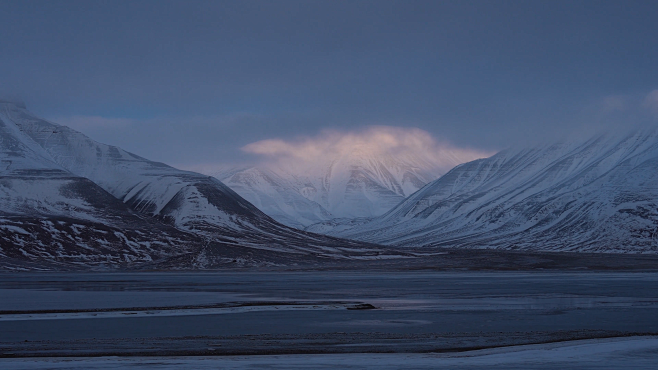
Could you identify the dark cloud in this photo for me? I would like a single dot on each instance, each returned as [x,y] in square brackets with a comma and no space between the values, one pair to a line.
[205,78]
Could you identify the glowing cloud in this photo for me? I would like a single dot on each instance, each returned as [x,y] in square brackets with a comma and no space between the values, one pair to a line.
[372,141]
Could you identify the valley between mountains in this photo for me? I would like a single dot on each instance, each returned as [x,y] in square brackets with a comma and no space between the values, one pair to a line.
[69,202]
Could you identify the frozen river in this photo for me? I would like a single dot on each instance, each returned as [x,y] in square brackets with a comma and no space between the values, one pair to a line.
[324,316]
[594,354]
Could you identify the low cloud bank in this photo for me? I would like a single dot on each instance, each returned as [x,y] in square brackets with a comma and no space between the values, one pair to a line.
[372,141]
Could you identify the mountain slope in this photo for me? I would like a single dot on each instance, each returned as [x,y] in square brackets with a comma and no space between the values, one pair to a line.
[206,216]
[349,182]
[599,195]
[186,199]
[278,196]
[50,214]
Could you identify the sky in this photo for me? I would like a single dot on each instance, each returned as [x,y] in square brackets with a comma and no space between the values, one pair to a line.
[189,82]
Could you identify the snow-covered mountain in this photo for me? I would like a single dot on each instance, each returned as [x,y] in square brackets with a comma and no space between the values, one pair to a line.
[50,214]
[279,196]
[346,181]
[598,195]
[52,177]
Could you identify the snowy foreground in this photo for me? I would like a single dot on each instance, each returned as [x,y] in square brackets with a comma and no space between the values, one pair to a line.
[626,353]
[329,319]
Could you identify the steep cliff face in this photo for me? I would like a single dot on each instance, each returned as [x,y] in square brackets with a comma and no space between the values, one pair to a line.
[594,195]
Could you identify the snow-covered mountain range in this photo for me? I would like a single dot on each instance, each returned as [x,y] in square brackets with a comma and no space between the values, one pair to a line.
[66,198]
[351,178]
[596,195]
[70,201]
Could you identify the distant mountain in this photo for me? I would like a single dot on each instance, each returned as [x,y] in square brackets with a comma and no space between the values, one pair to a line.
[351,182]
[279,196]
[598,195]
[67,198]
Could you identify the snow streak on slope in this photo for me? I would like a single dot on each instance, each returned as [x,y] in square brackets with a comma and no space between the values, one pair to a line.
[598,195]
[342,175]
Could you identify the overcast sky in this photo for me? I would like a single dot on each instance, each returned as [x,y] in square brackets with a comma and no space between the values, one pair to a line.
[188,82]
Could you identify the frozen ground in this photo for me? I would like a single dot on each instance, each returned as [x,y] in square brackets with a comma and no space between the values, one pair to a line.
[315,319]
[627,353]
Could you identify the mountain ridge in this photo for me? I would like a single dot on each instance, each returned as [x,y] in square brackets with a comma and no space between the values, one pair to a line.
[595,195]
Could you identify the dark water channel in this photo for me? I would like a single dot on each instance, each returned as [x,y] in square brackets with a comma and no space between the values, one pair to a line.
[315,312]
